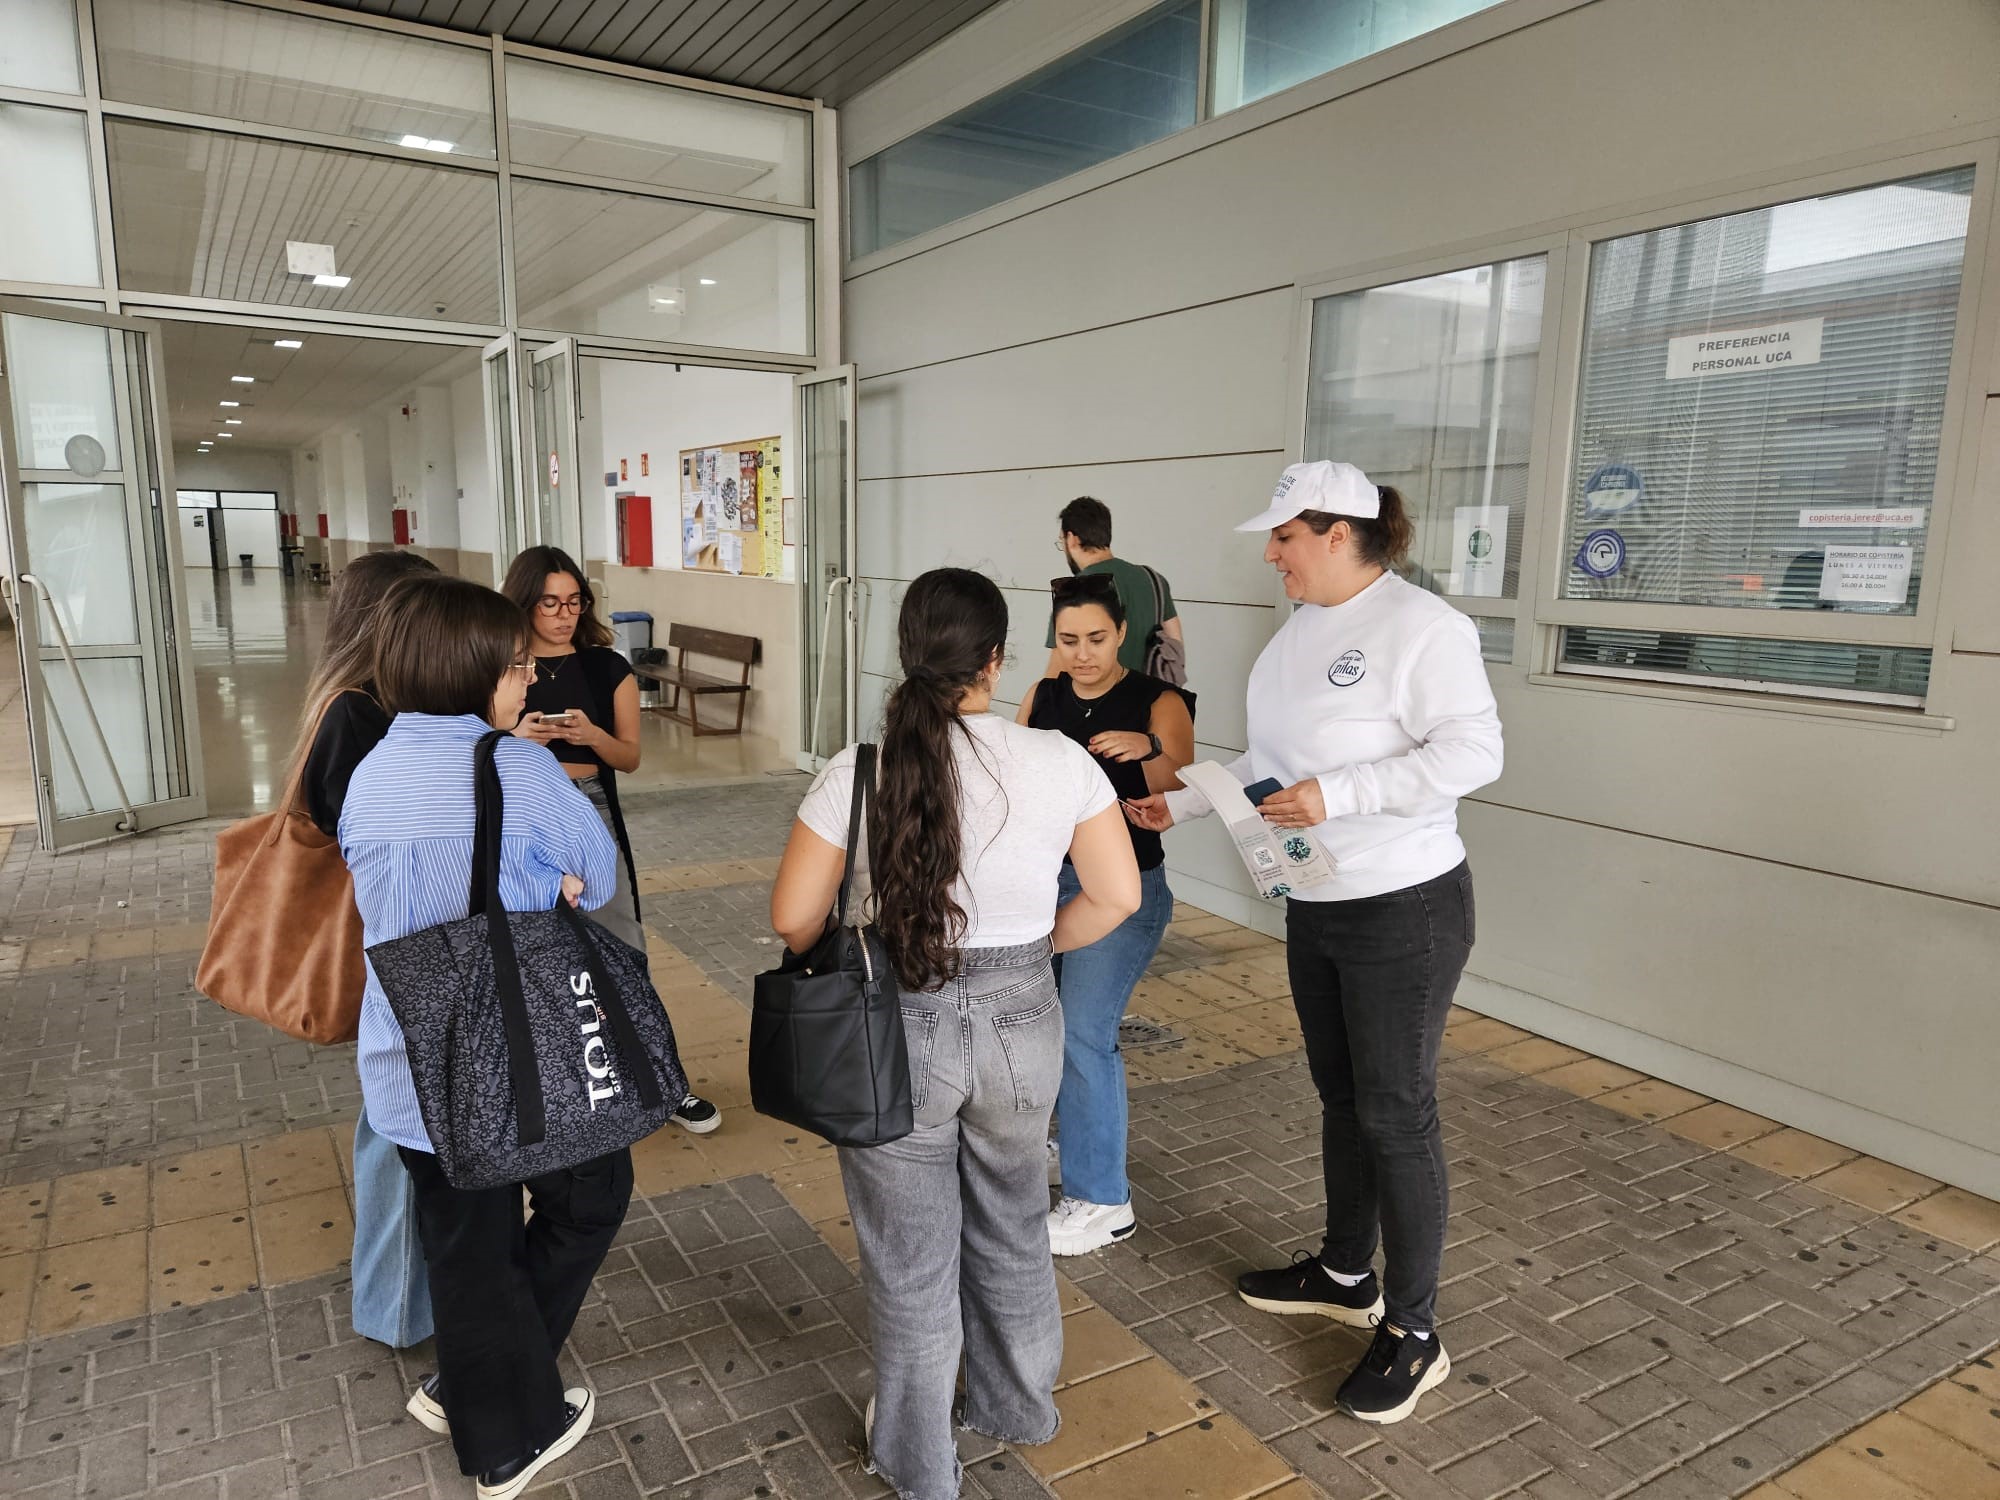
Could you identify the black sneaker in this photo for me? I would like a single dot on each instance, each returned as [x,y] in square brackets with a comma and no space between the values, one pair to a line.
[1304,1287]
[507,1481]
[1398,1368]
[427,1406]
[696,1115]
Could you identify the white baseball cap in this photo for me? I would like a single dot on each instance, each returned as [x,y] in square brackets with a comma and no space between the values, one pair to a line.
[1336,489]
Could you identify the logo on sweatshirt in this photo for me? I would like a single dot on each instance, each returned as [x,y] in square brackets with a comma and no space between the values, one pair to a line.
[1348,670]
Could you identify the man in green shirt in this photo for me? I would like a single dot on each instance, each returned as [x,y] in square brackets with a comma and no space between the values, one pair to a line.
[1086,542]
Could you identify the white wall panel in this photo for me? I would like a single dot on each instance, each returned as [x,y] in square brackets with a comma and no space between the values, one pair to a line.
[1204,380]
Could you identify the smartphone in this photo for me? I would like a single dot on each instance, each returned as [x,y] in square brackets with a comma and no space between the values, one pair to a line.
[565,717]
[1257,791]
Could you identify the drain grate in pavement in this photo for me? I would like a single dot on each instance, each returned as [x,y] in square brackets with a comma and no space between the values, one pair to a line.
[1138,1032]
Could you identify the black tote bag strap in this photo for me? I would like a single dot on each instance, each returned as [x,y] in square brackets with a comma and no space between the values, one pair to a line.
[608,779]
[530,1123]
[864,785]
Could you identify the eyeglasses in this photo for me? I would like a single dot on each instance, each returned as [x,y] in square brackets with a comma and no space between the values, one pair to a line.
[525,668]
[1084,588]
[549,604]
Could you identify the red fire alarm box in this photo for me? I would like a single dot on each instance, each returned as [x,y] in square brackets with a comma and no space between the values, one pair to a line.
[399,520]
[635,531]
[322,523]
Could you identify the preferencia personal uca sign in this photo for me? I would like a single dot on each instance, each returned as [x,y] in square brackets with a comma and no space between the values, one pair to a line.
[1745,351]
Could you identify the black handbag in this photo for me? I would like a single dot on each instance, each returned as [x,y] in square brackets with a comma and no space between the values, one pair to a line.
[826,1027]
[536,1039]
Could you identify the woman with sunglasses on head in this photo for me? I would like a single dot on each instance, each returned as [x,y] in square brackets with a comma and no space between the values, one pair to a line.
[1141,732]
[1371,714]
[584,705]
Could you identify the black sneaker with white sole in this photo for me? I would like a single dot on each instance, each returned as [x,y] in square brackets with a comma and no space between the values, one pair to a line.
[1305,1289]
[509,1480]
[697,1116]
[427,1406]
[1397,1369]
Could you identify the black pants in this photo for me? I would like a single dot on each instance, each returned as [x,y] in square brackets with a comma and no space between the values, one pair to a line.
[504,1294]
[1373,980]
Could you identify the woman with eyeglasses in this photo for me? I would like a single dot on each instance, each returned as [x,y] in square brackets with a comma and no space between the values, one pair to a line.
[584,705]
[1141,731]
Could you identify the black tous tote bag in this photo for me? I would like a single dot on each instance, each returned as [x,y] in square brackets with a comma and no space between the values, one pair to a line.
[536,1039]
[826,1027]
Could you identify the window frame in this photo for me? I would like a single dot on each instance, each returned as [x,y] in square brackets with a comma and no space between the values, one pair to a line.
[1919,629]
[1555,249]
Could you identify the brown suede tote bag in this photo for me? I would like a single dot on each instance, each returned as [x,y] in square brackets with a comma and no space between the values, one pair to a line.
[284,938]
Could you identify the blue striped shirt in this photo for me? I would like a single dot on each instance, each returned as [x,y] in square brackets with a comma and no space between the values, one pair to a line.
[406,833]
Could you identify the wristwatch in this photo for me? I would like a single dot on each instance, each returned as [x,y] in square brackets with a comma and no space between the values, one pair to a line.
[1157,751]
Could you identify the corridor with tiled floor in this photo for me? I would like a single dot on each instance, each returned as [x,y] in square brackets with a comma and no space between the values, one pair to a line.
[1646,1292]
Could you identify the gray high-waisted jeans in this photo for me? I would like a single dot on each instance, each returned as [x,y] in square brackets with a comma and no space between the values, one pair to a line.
[616,915]
[952,1222]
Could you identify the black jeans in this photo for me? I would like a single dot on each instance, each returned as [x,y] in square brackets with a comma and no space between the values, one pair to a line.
[505,1293]
[1373,980]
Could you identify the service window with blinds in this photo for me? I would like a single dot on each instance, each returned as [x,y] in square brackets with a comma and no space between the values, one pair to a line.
[1758,418]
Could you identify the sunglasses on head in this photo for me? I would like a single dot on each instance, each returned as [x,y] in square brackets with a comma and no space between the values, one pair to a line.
[1083,588]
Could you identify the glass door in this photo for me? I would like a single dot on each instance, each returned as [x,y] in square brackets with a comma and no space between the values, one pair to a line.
[558,487]
[500,367]
[829,625]
[94,579]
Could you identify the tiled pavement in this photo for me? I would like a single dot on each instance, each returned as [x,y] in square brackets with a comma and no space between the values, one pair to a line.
[1646,1292]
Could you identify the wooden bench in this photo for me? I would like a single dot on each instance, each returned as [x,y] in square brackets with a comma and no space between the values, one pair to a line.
[678,677]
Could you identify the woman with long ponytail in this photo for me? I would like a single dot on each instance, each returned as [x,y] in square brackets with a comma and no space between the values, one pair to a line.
[967,830]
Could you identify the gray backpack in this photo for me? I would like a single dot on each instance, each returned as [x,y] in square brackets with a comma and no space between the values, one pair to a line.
[1166,658]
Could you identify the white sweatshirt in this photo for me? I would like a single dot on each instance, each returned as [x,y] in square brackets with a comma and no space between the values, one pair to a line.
[1385,700]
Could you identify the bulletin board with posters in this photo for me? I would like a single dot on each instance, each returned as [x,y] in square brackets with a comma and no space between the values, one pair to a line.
[732,509]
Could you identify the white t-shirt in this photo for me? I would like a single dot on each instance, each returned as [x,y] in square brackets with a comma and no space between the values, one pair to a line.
[1385,700]
[1022,793]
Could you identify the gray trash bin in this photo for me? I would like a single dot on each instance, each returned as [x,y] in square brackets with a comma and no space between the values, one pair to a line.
[632,632]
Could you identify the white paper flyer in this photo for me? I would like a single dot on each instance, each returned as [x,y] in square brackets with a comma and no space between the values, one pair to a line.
[1280,860]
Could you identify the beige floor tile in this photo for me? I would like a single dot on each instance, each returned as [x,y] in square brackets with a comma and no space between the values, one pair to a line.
[131,942]
[303,1236]
[1168,1001]
[749,1143]
[1653,1099]
[111,1200]
[1295,1489]
[1193,1058]
[1720,1126]
[291,1165]
[1205,984]
[1483,1034]
[668,1160]
[201,1260]
[1875,1184]
[1237,940]
[1200,926]
[1981,1376]
[1793,1153]
[1115,1412]
[88,1284]
[1072,1297]
[1215,1459]
[1094,1342]
[1536,1055]
[839,1236]
[1958,1413]
[24,1217]
[182,937]
[1956,1215]
[199,1184]
[822,1198]
[1836,1474]
[17,1296]
[55,953]
[1591,1077]
[1922,1459]
[1235,1028]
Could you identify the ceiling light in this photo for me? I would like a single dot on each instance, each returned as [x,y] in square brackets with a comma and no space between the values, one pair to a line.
[708,281]
[331,280]
[229,403]
[288,343]
[225,434]
[244,379]
[424,143]
[232,421]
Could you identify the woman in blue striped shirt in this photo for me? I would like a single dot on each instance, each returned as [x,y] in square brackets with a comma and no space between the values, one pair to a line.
[451,665]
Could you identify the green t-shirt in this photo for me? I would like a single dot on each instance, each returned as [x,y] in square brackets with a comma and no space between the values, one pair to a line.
[1135,592]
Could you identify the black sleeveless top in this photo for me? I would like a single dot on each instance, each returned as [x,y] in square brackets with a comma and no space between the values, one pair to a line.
[587,680]
[1128,706]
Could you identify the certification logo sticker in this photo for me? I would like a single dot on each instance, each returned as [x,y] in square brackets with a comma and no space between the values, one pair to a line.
[1297,849]
[1613,489]
[1602,554]
[1348,670]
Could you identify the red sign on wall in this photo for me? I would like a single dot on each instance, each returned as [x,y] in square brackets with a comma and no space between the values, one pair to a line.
[322,523]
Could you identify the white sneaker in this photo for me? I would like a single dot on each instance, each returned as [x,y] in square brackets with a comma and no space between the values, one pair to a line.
[1077,1227]
[1055,1164]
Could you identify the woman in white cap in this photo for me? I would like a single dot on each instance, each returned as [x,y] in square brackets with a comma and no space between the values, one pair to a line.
[1371,711]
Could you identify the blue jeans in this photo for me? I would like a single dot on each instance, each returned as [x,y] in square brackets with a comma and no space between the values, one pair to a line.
[392,1290]
[1096,985]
